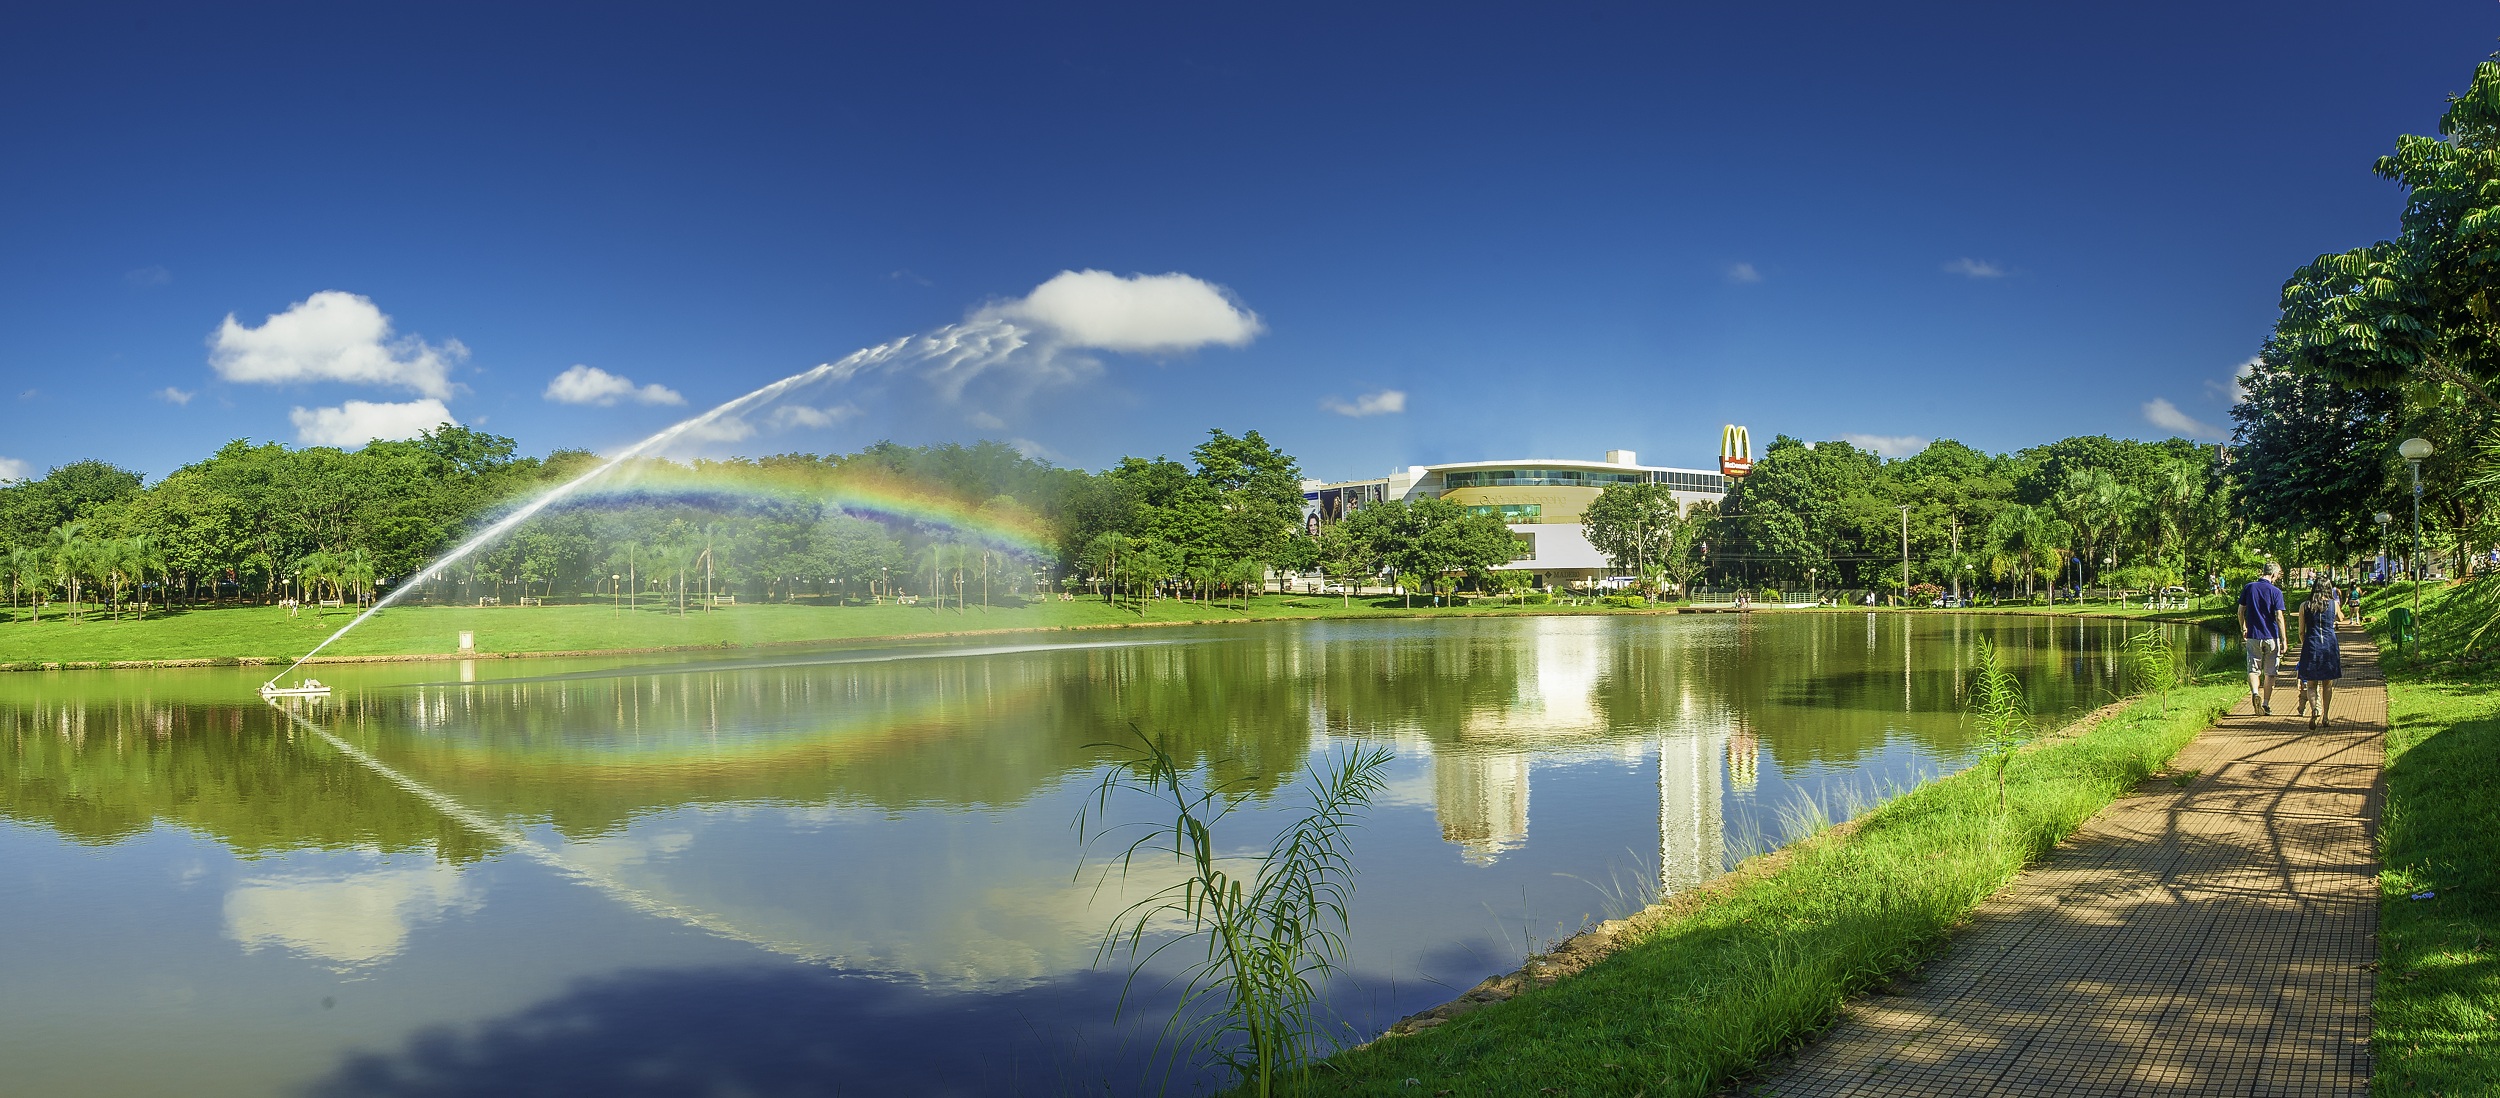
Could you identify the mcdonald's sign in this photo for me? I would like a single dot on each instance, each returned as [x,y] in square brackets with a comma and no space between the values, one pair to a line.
[1735,451]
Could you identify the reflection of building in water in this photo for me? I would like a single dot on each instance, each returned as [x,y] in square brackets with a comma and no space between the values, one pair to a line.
[1692,836]
[1744,759]
[1481,799]
[1480,786]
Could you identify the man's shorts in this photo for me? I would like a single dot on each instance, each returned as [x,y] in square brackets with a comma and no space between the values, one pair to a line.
[2265,654]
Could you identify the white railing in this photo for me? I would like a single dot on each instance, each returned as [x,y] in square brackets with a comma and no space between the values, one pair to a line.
[1788,601]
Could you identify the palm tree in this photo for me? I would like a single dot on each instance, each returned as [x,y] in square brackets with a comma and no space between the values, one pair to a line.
[23,565]
[351,571]
[2029,535]
[146,556]
[69,560]
[2097,507]
[117,567]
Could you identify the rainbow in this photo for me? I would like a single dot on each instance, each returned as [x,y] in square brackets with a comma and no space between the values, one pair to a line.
[874,495]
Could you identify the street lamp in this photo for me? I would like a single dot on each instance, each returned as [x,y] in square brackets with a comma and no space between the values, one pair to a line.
[615,591]
[2383,519]
[2414,450]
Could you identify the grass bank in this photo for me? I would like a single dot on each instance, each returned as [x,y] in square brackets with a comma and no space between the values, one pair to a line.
[268,632]
[2436,1028]
[1714,985]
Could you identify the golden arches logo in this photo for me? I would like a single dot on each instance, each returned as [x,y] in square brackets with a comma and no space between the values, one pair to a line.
[1735,451]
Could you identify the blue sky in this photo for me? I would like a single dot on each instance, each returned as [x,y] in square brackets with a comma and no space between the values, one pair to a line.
[1555,229]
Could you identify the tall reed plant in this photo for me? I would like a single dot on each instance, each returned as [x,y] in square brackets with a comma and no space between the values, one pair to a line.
[2003,716]
[2153,663]
[1270,935]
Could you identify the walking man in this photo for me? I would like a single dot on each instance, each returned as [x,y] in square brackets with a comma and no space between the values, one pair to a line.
[2261,630]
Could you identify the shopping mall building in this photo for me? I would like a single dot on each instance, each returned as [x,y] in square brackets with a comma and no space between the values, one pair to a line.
[1539,500]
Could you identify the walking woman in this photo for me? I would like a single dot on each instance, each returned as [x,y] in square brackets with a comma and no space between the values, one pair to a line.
[2321,656]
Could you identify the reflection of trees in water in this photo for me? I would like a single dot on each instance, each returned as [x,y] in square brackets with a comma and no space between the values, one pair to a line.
[102,769]
[588,755]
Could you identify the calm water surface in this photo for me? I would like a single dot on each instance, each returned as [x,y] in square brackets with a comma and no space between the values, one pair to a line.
[852,871]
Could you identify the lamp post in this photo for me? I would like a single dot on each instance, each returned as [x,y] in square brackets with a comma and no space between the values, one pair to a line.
[2414,450]
[2383,519]
[616,592]
[1905,554]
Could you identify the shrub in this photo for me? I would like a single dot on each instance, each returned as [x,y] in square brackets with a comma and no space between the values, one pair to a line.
[1536,598]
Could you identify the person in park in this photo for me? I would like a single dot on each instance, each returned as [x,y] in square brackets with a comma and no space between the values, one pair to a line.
[2321,655]
[2261,632]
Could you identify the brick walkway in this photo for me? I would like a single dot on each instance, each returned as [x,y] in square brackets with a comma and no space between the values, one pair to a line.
[2216,939]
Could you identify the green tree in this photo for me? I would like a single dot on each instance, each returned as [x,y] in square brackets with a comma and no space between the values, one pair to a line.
[1638,527]
[72,558]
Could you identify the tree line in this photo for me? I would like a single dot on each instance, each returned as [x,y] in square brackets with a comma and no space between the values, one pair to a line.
[2087,511]
[266,522]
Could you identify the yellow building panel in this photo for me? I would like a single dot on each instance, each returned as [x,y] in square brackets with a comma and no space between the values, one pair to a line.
[1553,504]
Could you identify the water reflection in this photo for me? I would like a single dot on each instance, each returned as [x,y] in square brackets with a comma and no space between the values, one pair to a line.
[901,815]
[349,919]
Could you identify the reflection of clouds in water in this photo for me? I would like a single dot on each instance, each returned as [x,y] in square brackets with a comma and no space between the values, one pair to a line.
[350,919]
[980,904]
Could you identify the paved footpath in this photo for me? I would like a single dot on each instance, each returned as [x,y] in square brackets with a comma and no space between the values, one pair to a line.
[2212,939]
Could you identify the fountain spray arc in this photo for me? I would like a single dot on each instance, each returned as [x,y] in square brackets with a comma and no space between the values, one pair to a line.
[954,347]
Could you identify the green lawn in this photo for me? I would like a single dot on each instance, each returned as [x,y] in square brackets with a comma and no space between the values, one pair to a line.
[2437,1025]
[1763,963]
[267,632]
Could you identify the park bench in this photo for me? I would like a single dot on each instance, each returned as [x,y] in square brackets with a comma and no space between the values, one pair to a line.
[489,600]
[724,600]
[532,600]
[1066,597]
[334,602]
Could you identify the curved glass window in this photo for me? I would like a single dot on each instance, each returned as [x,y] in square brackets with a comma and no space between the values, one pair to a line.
[1510,512]
[1539,478]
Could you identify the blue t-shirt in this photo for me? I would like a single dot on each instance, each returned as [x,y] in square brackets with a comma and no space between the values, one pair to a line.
[2262,601]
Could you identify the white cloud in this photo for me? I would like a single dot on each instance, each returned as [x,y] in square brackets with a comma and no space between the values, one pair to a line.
[1743,272]
[724,429]
[13,469]
[800,415]
[1383,403]
[1974,268]
[1036,451]
[151,275]
[332,336]
[592,385]
[1140,314]
[986,421]
[2167,416]
[362,421]
[171,395]
[1891,446]
[2236,389]
[350,920]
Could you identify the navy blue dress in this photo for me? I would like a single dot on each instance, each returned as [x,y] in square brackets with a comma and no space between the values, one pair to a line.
[2321,657]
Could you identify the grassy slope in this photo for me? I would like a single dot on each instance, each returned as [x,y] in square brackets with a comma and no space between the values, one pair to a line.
[263,631]
[1759,967]
[2437,1025]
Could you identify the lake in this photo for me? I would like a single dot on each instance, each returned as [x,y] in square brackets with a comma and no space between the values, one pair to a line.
[854,870]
